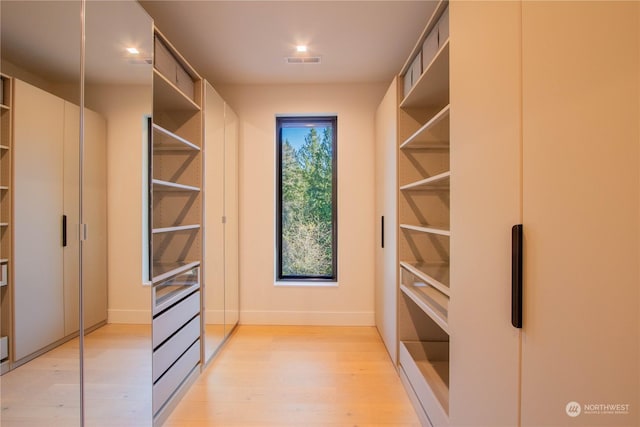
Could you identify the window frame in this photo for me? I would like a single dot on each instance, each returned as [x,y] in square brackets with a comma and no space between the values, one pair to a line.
[289,119]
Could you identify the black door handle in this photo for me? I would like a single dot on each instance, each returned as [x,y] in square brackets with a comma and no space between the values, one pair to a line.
[382,231]
[64,231]
[516,276]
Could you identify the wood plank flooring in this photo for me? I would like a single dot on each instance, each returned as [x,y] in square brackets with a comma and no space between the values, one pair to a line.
[298,376]
[264,376]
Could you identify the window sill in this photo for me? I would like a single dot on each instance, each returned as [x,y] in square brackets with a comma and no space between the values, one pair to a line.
[306,284]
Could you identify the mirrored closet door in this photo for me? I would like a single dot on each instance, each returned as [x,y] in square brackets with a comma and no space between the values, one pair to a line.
[62,166]
[118,100]
[40,212]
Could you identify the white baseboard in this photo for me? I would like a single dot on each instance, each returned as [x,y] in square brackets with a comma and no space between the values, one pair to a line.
[136,317]
[311,318]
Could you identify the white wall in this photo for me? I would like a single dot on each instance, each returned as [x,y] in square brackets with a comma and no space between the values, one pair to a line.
[124,107]
[352,301]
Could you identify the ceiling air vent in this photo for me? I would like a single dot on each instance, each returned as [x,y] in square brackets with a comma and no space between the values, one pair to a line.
[302,60]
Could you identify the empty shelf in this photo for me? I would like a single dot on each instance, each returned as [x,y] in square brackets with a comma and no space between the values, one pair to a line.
[176,228]
[437,182]
[167,97]
[435,274]
[4,147]
[434,303]
[433,135]
[159,185]
[167,140]
[426,229]
[425,365]
[163,271]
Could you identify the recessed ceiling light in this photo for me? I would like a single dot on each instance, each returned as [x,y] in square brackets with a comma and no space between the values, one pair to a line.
[301,48]
[133,51]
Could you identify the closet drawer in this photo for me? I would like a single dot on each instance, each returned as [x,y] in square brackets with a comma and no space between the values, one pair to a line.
[171,350]
[164,61]
[171,380]
[168,322]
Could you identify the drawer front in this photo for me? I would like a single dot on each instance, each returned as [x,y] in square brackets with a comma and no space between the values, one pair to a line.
[171,380]
[171,350]
[165,324]
[164,61]
[185,83]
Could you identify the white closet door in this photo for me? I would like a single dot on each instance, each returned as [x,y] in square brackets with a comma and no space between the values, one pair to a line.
[71,208]
[94,197]
[231,212]
[581,214]
[485,204]
[386,202]
[213,271]
[38,174]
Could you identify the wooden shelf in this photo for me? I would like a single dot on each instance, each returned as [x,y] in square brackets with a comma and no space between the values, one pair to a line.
[438,182]
[4,147]
[4,187]
[169,141]
[176,228]
[435,274]
[433,135]
[426,366]
[167,97]
[164,271]
[4,224]
[432,88]
[159,185]
[4,107]
[431,301]
[426,229]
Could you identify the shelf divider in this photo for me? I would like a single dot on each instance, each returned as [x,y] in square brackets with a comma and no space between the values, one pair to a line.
[436,182]
[160,185]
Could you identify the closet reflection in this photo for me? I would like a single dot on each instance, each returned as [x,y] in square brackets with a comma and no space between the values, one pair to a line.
[40,193]
[41,198]
[118,97]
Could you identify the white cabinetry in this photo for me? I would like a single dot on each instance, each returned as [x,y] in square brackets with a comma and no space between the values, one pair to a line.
[46,211]
[386,223]
[543,129]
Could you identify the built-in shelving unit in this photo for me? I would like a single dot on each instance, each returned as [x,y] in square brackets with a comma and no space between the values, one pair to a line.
[176,208]
[6,229]
[424,179]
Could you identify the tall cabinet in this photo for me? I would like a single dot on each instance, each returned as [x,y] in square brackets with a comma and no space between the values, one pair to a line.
[175,221]
[531,118]
[46,208]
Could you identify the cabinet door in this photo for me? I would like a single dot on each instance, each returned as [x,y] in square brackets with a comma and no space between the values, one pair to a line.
[213,271]
[485,203]
[38,173]
[386,202]
[94,199]
[231,267]
[71,208]
[581,215]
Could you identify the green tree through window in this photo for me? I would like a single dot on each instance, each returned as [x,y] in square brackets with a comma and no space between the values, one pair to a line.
[306,198]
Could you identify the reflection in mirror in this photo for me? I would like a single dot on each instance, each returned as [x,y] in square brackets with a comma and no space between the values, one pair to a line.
[118,97]
[40,212]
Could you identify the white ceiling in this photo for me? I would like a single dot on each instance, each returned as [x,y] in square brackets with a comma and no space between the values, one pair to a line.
[245,42]
[228,42]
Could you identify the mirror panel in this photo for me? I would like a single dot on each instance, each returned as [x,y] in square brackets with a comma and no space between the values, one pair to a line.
[118,100]
[40,63]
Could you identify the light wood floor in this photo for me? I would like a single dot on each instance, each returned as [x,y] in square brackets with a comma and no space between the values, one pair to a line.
[298,376]
[264,376]
[45,391]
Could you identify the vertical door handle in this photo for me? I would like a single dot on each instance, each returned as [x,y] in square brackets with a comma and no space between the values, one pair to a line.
[382,231]
[64,231]
[516,276]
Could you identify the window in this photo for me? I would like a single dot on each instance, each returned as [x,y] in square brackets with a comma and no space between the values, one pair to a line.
[306,189]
